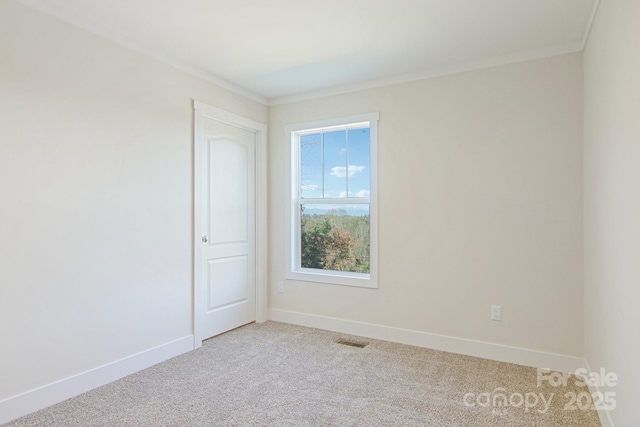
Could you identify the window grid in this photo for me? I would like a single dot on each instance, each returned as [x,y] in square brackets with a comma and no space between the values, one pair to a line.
[341,277]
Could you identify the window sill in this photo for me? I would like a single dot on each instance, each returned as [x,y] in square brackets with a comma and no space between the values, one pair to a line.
[334,278]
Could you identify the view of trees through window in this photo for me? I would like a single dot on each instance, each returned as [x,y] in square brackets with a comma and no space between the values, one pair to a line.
[335,238]
[334,199]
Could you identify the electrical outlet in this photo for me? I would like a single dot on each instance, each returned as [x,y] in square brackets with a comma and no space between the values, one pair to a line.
[281,287]
[496,312]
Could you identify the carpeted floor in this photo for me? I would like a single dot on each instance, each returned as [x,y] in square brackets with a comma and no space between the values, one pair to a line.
[276,374]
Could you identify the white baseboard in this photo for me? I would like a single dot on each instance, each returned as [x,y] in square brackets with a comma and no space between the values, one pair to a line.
[485,350]
[34,400]
[603,414]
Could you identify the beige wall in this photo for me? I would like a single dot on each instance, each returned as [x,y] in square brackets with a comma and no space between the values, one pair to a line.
[96,196]
[480,193]
[480,180]
[612,200]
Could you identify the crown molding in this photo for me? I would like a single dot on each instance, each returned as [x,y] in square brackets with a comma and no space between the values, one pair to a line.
[58,10]
[592,18]
[430,73]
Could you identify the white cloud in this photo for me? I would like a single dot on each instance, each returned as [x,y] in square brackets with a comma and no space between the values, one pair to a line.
[341,171]
[310,187]
[342,151]
[344,194]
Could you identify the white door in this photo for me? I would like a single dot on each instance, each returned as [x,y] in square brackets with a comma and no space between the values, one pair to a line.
[225,263]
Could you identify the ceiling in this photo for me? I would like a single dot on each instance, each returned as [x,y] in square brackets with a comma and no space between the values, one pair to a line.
[281,50]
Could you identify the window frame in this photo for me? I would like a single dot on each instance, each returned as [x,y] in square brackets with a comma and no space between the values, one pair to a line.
[293,269]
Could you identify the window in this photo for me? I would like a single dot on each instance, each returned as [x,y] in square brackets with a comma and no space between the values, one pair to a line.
[332,205]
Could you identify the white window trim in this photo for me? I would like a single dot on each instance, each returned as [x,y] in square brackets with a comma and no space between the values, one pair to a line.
[293,272]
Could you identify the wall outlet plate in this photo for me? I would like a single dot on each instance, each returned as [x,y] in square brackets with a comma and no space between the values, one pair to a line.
[496,312]
[281,287]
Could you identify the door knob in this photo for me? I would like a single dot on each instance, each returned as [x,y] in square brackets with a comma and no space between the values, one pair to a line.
[204,239]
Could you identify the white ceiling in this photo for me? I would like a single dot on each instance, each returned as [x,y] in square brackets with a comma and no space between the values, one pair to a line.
[281,50]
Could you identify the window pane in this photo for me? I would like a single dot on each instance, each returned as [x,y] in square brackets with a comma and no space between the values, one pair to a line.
[335,164]
[359,163]
[335,237]
[311,166]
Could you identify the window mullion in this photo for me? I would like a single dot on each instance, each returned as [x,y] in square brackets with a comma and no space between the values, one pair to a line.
[349,214]
[322,171]
[346,141]
[299,235]
[336,201]
[299,171]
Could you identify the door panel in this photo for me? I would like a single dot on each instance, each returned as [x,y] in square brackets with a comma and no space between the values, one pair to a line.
[228,281]
[228,249]
[228,201]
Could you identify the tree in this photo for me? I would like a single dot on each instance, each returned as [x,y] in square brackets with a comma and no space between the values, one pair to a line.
[338,255]
[315,238]
[325,246]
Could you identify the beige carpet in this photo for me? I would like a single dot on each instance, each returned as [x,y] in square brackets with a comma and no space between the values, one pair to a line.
[276,374]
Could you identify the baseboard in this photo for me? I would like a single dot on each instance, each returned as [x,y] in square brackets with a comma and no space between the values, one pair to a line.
[603,414]
[502,353]
[34,400]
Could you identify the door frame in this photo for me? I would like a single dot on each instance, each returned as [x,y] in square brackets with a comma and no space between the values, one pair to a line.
[205,111]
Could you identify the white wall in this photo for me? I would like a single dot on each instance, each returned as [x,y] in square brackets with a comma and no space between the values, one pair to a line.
[95,196]
[480,193]
[612,200]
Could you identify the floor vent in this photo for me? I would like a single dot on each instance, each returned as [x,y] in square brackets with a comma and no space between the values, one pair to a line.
[352,343]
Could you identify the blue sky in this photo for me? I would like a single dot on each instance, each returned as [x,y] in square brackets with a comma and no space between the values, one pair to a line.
[343,167]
